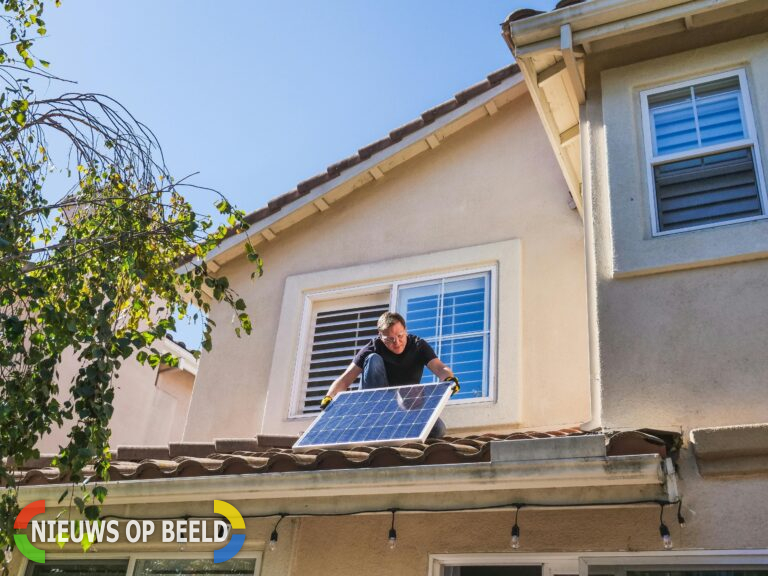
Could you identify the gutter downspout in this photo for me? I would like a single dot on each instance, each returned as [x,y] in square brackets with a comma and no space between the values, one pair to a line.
[566,45]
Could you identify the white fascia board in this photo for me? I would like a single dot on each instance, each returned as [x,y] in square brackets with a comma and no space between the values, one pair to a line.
[187,360]
[598,481]
[598,19]
[366,165]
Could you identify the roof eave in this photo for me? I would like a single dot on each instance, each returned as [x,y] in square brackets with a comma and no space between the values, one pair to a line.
[559,481]
[599,19]
[558,471]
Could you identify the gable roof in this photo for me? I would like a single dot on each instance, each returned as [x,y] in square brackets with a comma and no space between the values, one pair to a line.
[425,132]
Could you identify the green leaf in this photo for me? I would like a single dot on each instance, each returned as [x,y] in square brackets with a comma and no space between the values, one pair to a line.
[92,512]
[100,493]
[86,542]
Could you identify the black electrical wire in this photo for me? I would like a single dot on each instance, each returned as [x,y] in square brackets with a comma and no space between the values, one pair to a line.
[680,518]
[392,532]
[510,506]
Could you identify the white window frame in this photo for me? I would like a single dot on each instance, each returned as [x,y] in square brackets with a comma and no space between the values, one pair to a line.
[674,559]
[312,300]
[651,160]
[492,281]
[131,558]
[552,564]
[558,563]
[320,302]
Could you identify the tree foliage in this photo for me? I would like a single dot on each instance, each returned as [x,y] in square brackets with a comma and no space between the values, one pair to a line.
[90,269]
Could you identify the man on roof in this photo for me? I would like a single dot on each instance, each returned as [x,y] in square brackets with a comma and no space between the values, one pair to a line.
[394,358]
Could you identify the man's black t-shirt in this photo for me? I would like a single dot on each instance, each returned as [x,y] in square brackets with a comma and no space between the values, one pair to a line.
[402,369]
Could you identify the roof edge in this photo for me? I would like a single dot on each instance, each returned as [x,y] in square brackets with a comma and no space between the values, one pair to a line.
[620,477]
[542,31]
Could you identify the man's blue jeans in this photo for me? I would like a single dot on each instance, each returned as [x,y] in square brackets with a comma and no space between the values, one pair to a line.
[375,376]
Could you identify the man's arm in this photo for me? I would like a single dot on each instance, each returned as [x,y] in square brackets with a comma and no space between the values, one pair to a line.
[345,380]
[439,369]
[444,373]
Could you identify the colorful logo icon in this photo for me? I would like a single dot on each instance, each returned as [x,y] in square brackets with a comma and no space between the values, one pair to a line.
[235,519]
[22,540]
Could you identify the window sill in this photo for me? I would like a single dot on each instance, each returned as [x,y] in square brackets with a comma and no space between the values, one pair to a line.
[716,245]
[468,403]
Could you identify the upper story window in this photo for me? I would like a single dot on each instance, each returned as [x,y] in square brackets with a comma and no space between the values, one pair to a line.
[340,329]
[451,312]
[704,164]
[453,315]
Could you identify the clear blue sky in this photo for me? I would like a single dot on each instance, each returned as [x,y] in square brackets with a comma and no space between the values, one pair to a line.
[259,95]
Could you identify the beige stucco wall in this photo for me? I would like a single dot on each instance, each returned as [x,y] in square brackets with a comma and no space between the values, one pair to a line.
[682,348]
[150,409]
[494,181]
[353,545]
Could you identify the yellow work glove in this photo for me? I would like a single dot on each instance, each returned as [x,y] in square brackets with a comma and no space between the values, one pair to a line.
[455,388]
[325,402]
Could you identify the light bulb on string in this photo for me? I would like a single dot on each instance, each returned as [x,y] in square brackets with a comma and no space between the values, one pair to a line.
[680,518]
[666,537]
[514,540]
[273,537]
[392,538]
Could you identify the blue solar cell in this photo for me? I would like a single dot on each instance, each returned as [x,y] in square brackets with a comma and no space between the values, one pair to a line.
[379,416]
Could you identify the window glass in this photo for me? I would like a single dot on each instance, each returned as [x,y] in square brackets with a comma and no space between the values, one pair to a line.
[338,335]
[167,566]
[453,315]
[696,116]
[706,189]
[697,572]
[704,165]
[494,571]
[78,568]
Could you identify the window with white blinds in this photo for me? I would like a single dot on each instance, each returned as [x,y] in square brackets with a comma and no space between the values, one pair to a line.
[704,166]
[337,335]
[454,316]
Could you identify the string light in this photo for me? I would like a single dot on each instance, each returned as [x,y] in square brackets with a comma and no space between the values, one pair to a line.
[392,531]
[680,519]
[514,540]
[274,535]
[666,537]
[392,535]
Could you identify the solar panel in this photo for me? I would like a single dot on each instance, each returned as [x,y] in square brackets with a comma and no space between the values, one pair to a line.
[377,416]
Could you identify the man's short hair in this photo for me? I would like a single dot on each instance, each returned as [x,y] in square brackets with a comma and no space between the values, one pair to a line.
[389,319]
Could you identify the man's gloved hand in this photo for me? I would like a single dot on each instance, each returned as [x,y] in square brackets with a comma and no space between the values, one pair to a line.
[455,388]
[325,402]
